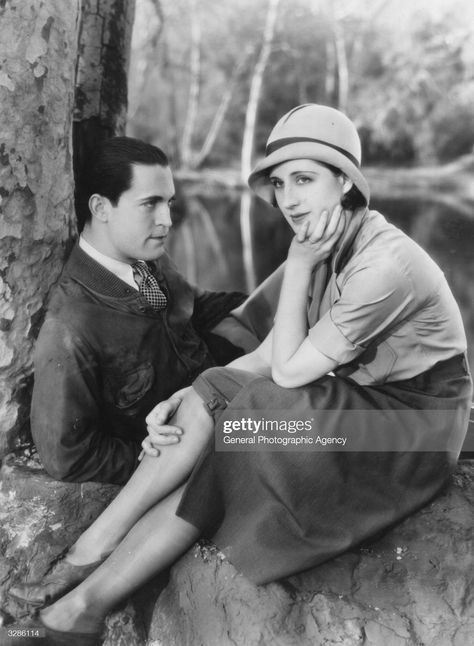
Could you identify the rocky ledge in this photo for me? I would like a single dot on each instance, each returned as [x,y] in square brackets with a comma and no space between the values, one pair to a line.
[411,587]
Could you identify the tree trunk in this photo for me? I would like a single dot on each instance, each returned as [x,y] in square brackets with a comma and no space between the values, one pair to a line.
[248,141]
[38,63]
[330,74]
[38,49]
[222,109]
[191,113]
[341,60]
[255,89]
[100,109]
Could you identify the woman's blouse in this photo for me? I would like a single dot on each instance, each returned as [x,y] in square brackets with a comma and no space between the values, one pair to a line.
[382,307]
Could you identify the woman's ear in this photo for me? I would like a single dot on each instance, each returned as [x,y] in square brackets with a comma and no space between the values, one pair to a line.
[98,207]
[347,184]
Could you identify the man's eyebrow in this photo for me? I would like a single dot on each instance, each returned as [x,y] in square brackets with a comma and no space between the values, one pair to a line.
[156,198]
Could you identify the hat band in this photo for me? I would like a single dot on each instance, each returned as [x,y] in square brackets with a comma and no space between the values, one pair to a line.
[286,141]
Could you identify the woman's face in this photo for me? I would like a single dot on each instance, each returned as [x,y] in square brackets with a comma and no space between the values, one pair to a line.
[304,189]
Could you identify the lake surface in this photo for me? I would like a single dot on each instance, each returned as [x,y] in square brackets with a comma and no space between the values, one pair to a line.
[206,242]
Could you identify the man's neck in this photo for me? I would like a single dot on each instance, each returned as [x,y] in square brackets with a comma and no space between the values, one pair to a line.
[121,269]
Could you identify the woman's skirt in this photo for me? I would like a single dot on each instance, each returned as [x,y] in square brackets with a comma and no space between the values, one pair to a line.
[274,513]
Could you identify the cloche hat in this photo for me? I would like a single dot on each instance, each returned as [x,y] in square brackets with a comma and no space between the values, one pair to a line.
[311,131]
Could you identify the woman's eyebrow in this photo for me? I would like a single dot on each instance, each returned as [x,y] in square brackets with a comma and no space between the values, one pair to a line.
[306,172]
[296,172]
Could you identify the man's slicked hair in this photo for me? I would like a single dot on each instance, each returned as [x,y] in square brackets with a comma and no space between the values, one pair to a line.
[110,171]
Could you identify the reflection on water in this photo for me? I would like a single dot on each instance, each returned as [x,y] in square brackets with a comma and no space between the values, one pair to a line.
[207,243]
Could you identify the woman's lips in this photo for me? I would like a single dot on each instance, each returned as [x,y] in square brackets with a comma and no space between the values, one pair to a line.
[296,219]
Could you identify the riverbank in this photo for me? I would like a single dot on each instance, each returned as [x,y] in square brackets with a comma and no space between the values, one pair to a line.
[451,184]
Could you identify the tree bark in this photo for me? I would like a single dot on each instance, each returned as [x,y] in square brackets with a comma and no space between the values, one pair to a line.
[100,109]
[38,49]
[44,47]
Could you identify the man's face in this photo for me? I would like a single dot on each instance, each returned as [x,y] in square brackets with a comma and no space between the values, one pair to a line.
[137,227]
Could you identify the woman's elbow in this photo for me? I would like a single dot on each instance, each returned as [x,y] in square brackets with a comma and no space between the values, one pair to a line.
[285,380]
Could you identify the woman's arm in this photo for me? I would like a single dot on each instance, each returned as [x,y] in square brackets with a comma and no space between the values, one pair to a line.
[295,361]
[258,361]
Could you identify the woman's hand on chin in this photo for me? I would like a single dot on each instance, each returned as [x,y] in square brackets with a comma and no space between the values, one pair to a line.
[313,243]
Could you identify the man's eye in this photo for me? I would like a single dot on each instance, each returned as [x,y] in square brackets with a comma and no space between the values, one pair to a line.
[172,202]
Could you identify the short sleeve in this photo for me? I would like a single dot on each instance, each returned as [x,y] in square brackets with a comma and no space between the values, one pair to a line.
[374,298]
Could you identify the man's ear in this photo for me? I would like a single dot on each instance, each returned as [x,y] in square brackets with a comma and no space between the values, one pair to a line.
[98,206]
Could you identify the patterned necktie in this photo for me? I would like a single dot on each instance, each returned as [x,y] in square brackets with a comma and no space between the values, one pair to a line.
[148,285]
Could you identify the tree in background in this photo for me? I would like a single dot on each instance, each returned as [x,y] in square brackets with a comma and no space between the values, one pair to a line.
[402,70]
[42,46]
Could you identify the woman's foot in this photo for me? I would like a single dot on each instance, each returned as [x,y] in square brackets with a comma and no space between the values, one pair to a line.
[62,577]
[71,614]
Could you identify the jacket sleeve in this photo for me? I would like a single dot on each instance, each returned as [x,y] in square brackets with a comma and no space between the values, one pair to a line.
[66,423]
[210,308]
[258,311]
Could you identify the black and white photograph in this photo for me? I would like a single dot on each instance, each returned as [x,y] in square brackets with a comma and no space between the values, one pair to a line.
[236,322]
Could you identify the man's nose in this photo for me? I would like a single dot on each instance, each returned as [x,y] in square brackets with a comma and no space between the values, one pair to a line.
[163,216]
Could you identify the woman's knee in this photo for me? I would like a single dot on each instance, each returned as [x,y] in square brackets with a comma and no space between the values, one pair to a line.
[193,411]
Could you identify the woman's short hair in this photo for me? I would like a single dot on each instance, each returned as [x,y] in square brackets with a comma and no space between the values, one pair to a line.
[351,200]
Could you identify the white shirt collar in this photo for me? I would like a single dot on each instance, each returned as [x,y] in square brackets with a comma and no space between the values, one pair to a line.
[121,269]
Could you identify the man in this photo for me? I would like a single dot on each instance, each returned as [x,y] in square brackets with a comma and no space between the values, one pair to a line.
[123,330]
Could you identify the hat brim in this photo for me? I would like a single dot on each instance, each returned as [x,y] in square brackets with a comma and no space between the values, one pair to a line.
[259,181]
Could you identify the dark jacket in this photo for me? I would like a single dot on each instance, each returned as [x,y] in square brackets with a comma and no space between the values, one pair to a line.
[104,358]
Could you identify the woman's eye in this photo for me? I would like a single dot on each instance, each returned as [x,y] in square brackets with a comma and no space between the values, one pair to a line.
[302,179]
[276,183]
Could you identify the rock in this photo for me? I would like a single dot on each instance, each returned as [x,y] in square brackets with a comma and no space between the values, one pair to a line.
[40,518]
[412,586]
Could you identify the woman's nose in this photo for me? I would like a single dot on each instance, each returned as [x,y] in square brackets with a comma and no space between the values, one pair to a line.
[290,197]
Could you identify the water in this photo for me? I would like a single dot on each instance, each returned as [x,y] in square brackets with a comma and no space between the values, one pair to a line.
[206,243]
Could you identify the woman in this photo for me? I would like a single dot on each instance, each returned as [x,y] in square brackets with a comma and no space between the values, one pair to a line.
[367,338]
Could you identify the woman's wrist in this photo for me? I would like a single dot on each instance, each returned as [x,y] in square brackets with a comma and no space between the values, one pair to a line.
[301,263]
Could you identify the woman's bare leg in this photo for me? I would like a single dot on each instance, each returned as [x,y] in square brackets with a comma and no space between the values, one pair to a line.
[154,478]
[154,543]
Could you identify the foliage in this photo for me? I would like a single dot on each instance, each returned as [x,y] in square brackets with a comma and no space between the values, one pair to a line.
[406,69]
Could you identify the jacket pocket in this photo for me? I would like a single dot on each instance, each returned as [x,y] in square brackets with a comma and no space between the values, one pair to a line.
[125,389]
